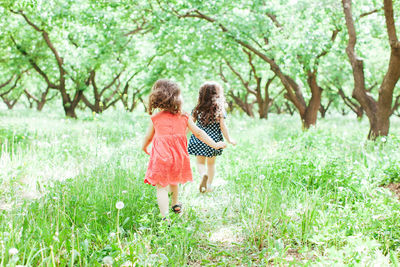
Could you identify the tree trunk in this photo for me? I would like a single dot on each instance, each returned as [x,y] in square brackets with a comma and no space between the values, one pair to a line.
[378,112]
[322,111]
[243,104]
[39,103]
[359,113]
[70,112]
[289,108]
[40,106]
[262,104]
[70,105]
[311,113]
[278,109]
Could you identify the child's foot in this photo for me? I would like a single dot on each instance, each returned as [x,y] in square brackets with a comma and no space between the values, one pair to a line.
[210,188]
[177,208]
[203,184]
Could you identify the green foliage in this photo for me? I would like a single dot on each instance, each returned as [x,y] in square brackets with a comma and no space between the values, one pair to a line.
[302,197]
[155,39]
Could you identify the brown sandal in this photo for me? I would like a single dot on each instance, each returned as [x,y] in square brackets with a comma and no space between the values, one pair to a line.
[203,184]
[177,208]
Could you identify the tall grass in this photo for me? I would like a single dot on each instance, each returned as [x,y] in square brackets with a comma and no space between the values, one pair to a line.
[283,196]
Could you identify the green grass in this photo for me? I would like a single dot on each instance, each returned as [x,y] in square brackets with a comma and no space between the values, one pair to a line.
[283,196]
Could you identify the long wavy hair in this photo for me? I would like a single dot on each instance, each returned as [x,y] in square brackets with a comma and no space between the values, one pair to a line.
[165,95]
[210,104]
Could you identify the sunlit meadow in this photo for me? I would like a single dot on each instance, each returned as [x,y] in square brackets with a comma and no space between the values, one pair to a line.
[72,193]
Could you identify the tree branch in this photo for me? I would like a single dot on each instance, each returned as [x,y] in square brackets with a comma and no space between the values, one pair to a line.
[221,74]
[294,93]
[29,95]
[46,38]
[396,104]
[357,64]
[274,20]
[13,86]
[245,83]
[34,65]
[370,12]
[111,83]
[7,82]
[390,25]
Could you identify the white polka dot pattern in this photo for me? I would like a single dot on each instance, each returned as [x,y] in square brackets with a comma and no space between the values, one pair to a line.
[198,148]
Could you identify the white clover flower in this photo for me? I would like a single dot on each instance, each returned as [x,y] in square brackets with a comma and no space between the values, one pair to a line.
[112,235]
[383,139]
[12,251]
[108,260]
[120,205]
[124,192]
[262,176]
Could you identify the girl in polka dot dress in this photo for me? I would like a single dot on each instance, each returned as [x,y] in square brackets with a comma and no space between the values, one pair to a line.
[209,116]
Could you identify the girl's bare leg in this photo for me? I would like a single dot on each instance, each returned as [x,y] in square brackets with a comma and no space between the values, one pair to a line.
[162,200]
[201,165]
[174,197]
[201,168]
[210,172]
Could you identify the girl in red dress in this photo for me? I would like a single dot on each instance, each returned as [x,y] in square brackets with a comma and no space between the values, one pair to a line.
[169,163]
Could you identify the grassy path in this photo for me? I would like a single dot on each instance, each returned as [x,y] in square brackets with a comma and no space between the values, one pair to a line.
[283,197]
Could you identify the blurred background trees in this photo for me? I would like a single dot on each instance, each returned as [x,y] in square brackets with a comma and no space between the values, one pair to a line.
[280,56]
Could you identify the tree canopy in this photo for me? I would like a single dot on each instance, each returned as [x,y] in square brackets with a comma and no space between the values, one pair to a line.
[271,56]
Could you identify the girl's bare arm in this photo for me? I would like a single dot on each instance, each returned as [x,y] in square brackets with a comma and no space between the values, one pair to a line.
[225,132]
[148,137]
[203,136]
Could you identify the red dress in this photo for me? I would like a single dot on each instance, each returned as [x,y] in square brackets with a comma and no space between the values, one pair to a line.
[169,158]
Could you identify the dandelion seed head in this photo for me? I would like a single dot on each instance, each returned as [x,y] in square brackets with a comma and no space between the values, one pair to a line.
[108,260]
[12,251]
[120,205]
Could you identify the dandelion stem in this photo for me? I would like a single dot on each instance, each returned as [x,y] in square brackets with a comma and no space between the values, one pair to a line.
[119,241]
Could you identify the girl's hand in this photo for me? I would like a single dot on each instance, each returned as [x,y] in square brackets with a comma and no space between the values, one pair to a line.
[220,145]
[145,151]
[147,139]
[232,142]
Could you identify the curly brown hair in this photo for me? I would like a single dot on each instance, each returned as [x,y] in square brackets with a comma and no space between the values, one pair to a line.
[165,95]
[208,108]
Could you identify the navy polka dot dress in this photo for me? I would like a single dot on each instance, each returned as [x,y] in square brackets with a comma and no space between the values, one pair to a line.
[198,148]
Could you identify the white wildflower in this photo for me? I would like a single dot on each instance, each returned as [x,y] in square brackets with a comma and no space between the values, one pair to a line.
[12,251]
[262,176]
[120,205]
[108,260]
